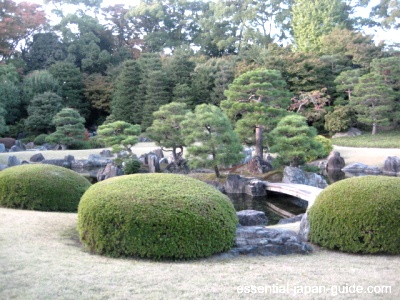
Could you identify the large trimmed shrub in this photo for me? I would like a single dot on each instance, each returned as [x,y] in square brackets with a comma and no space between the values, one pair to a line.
[360,214]
[41,187]
[161,216]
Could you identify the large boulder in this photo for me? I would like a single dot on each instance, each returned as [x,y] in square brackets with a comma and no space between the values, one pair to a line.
[153,163]
[38,157]
[256,240]
[304,230]
[351,132]
[2,148]
[335,161]
[13,161]
[358,168]
[8,142]
[391,166]
[251,217]
[235,184]
[296,175]
[109,171]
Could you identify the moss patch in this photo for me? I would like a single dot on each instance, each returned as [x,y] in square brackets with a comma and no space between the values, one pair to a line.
[359,214]
[161,216]
[41,187]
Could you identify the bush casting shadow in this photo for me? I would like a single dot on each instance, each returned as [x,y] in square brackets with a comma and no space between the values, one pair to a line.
[161,216]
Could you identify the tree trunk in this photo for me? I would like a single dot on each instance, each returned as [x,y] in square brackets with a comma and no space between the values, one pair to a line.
[217,171]
[373,128]
[259,142]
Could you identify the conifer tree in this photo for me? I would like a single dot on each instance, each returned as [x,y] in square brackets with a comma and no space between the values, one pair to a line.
[70,128]
[210,139]
[127,103]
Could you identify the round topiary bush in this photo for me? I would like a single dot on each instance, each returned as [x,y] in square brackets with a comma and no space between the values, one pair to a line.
[41,187]
[161,216]
[359,214]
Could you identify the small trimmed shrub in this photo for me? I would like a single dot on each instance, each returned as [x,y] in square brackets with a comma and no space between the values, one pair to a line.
[40,139]
[161,216]
[131,166]
[358,215]
[97,142]
[41,187]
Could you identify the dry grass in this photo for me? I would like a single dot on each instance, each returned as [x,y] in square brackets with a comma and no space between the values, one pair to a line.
[368,156]
[138,149]
[41,258]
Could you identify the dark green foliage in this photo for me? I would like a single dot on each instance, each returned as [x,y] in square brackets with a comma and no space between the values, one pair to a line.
[71,82]
[157,95]
[210,139]
[327,147]
[161,216]
[96,142]
[41,187]
[69,129]
[127,102]
[39,82]
[40,139]
[131,166]
[120,135]
[340,119]
[358,215]
[166,130]
[293,140]
[41,111]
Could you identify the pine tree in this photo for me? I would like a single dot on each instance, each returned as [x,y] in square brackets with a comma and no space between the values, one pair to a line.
[41,111]
[210,139]
[119,135]
[251,98]
[166,130]
[374,101]
[293,141]
[69,128]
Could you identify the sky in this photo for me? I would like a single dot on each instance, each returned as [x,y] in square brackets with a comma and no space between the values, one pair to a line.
[391,36]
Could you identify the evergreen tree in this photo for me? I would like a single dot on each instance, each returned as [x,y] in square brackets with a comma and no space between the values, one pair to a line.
[166,130]
[313,19]
[127,103]
[119,135]
[41,111]
[249,97]
[72,87]
[210,139]
[347,80]
[69,128]
[374,101]
[294,141]
[10,94]
[39,82]
[157,94]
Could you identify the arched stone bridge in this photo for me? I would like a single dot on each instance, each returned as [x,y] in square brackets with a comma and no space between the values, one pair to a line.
[305,192]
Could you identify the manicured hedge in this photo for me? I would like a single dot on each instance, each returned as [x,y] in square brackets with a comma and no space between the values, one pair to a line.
[41,187]
[358,215]
[161,216]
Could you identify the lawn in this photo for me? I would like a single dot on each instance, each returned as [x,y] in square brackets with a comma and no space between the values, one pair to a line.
[390,139]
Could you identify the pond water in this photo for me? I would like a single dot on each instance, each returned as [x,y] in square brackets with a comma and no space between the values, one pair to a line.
[286,203]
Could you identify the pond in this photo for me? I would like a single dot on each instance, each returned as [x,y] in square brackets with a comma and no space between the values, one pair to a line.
[274,204]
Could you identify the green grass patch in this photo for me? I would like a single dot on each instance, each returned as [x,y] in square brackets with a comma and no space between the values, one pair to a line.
[390,139]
